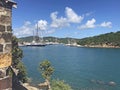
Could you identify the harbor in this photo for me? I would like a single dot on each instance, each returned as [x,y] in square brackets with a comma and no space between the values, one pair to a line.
[86,67]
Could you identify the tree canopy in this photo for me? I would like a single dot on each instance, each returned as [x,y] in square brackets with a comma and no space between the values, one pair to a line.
[112,39]
[60,85]
[46,69]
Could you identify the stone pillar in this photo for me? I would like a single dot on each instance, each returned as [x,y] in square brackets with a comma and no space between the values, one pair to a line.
[5,36]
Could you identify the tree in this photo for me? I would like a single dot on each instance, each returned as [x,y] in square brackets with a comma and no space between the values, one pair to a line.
[46,70]
[17,55]
[60,85]
[110,39]
[22,74]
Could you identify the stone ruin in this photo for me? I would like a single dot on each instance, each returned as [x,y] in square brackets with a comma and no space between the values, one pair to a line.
[5,41]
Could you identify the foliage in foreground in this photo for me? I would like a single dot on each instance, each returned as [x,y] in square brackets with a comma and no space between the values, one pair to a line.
[60,85]
[17,55]
[22,75]
[46,69]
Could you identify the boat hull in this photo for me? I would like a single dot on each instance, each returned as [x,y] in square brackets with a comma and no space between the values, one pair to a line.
[38,45]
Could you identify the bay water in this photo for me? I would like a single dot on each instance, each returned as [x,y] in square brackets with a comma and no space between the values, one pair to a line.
[82,68]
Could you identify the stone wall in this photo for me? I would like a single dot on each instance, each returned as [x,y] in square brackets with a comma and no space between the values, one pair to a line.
[5,43]
[4,83]
[5,34]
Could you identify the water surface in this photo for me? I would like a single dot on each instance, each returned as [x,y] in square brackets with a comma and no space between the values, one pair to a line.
[77,66]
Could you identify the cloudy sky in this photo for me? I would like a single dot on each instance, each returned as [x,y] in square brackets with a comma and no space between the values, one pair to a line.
[66,18]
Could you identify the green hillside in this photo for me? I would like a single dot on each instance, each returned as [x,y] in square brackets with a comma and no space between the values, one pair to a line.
[48,39]
[26,39]
[111,39]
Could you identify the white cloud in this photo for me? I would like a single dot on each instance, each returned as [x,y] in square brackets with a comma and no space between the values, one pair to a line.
[54,15]
[72,16]
[106,24]
[42,25]
[50,31]
[58,22]
[28,28]
[88,14]
[25,30]
[89,25]
[26,23]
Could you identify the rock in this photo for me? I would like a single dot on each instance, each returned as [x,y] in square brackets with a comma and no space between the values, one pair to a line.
[111,83]
[2,73]
[100,82]
[93,81]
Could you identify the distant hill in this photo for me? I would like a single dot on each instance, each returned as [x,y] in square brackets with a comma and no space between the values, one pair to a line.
[26,39]
[49,39]
[109,39]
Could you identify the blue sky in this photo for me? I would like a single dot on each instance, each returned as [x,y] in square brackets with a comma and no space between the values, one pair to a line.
[66,18]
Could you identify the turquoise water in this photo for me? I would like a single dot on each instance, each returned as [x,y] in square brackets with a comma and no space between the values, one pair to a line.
[77,66]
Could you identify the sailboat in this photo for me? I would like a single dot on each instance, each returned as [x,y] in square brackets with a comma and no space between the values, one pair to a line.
[37,41]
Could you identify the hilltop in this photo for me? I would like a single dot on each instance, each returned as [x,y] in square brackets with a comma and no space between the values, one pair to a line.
[105,40]
[49,39]
[111,39]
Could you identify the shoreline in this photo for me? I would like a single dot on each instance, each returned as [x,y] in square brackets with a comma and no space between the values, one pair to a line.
[87,46]
[99,46]
[93,46]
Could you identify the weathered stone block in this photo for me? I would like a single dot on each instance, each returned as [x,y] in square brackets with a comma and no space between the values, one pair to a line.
[7,37]
[8,47]
[5,19]
[2,73]
[1,48]
[5,60]
[8,13]
[2,28]
[9,28]
[2,40]
[6,83]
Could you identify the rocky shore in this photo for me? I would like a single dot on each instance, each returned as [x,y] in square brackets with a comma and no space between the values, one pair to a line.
[101,46]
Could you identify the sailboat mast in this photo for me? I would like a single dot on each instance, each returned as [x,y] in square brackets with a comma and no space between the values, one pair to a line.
[33,36]
[37,30]
[37,33]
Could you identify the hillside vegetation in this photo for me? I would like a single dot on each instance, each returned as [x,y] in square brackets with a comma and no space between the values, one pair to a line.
[48,39]
[110,39]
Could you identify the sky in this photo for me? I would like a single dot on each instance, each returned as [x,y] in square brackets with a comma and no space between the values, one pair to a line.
[66,18]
